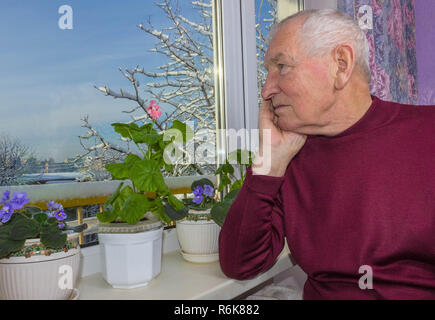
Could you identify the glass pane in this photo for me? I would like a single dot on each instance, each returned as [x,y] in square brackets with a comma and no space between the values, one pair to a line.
[266,17]
[64,65]
[70,71]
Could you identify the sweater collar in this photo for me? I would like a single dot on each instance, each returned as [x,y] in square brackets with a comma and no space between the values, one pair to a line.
[378,114]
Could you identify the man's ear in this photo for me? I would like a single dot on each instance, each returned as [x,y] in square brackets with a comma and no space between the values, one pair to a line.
[344,60]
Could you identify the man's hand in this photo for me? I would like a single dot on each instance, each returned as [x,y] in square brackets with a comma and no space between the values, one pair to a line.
[277,147]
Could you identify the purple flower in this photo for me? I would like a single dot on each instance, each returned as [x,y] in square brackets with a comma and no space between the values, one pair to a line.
[198,191]
[56,210]
[6,212]
[60,215]
[209,191]
[61,225]
[5,197]
[19,200]
[197,199]
[53,206]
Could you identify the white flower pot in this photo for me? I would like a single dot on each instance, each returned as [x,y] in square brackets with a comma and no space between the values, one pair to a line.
[40,277]
[198,240]
[131,260]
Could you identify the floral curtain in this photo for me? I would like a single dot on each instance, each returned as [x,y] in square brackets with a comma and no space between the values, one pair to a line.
[390,31]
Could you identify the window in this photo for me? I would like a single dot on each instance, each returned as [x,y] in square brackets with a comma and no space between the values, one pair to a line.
[65,64]
[57,58]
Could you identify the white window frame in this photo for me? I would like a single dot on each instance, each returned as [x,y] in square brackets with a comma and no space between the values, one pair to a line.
[237,70]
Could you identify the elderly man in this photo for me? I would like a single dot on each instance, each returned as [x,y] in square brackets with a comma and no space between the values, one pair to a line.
[351,180]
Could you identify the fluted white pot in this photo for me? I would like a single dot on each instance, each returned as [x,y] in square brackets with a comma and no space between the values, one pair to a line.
[198,239]
[131,255]
[40,277]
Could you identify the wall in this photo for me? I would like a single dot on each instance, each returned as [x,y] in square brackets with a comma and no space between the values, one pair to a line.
[425,39]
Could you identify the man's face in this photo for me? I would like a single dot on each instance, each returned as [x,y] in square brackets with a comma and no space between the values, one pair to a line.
[300,89]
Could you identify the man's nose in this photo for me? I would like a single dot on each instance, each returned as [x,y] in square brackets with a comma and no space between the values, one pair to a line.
[270,87]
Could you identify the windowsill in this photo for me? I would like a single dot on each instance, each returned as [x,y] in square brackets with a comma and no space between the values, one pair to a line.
[181,280]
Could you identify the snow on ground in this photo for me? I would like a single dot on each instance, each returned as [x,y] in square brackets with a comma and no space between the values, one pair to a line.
[80,190]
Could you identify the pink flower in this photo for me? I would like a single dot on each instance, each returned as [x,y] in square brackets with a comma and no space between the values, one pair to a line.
[153,110]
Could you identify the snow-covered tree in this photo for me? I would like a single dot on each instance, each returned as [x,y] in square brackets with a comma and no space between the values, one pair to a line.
[12,155]
[185,84]
[264,24]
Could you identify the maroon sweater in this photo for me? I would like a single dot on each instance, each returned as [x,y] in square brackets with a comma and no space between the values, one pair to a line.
[363,197]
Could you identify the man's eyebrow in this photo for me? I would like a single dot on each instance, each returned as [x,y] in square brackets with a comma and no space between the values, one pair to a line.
[273,60]
[277,57]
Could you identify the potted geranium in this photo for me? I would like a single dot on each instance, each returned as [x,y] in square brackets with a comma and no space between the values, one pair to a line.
[197,232]
[36,248]
[130,228]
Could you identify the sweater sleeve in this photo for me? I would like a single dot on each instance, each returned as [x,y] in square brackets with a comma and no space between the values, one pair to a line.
[252,236]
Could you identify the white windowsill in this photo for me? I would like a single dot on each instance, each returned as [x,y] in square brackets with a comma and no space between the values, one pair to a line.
[178,280]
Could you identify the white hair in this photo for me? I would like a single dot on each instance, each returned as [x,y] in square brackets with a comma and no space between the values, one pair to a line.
[324,29]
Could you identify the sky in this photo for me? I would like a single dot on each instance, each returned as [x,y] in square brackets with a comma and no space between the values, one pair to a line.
[47,74]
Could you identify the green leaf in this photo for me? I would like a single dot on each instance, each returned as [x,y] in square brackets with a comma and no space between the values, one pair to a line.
[228,168]
[125,129]
[169,168]
[159,210]
[8,246]
[232,195]
[225,168]
[131,158]
[119,171]
[126,192]
[173,214]
[51,221]
[40,217]
[23,228]
[52,236]
[236,185]
[114,195]
[5,230]
[224,182]
[144,134]
[149,139]
[107,216]
[220,210]
[147,177]
[135,208]
[186,131]
[175,203]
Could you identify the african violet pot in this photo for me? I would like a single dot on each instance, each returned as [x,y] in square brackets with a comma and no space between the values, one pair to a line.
[36,273]
[198,236]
